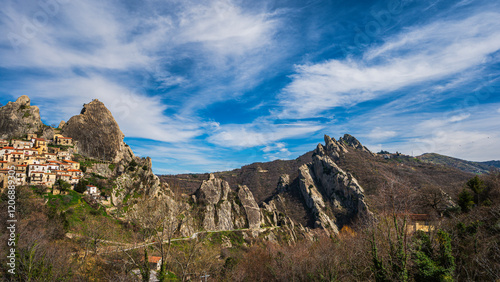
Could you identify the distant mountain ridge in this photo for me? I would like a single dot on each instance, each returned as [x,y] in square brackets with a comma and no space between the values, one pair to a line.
[463,165]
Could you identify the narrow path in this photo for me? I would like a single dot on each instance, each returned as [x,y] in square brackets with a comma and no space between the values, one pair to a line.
[194,236]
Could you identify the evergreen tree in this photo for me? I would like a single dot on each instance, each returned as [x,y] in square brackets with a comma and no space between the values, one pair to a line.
[477,186]
[465,200]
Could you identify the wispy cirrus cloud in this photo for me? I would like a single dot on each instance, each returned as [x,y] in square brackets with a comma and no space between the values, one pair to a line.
[88,47]
[418,55]
[276,151]
[260,133]
[381,134]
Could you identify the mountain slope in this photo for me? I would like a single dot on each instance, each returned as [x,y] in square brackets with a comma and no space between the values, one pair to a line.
[278,183]
[467,166]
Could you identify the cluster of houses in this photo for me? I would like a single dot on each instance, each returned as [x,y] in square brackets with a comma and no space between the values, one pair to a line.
[37,163]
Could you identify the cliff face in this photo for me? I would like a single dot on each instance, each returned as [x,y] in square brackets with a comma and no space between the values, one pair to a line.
[98,134]
[333,195]
[19,118]
[222,208]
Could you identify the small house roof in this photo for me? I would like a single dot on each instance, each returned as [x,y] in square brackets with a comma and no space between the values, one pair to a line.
[154,259]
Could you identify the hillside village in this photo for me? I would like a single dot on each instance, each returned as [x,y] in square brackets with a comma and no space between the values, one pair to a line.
[38,161]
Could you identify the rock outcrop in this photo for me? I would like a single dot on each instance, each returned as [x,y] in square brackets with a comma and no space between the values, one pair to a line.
[334,196]
[97,134]
[336,148]
[350,141]
[224,209]
[283,183]
[251,208]
[19,118]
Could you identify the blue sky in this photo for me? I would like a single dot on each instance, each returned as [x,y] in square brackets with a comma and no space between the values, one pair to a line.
[213,85]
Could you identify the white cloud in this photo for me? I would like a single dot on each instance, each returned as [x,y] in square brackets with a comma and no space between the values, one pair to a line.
[459,117]
[90,25]
[421,54]
[251,135]
[224,27]
[107,42]
[276,151]
[378,133]
[498,111]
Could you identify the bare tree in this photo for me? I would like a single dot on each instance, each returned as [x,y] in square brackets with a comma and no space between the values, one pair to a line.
[158,219]
[94,233]
[195,259]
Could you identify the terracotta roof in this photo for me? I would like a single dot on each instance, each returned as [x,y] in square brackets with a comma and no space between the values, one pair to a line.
[153,259]
[8,148]
[68,161]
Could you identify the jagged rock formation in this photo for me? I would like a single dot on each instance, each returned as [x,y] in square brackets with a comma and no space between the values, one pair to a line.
[336,148]
[283,183]
[333,195]
[223,209]
[97,134]
[61,124]
[350,141]
[251,208]
[19,118]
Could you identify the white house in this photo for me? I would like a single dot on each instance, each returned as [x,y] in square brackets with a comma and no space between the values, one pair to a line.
[36,168]
[6,150]
[92,190]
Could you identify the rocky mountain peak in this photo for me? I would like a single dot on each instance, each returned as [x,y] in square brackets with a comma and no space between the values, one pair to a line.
[97,133]
[23,100]
[333,195]
[213,190]
[334,148]
[19,118]
[351,141]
